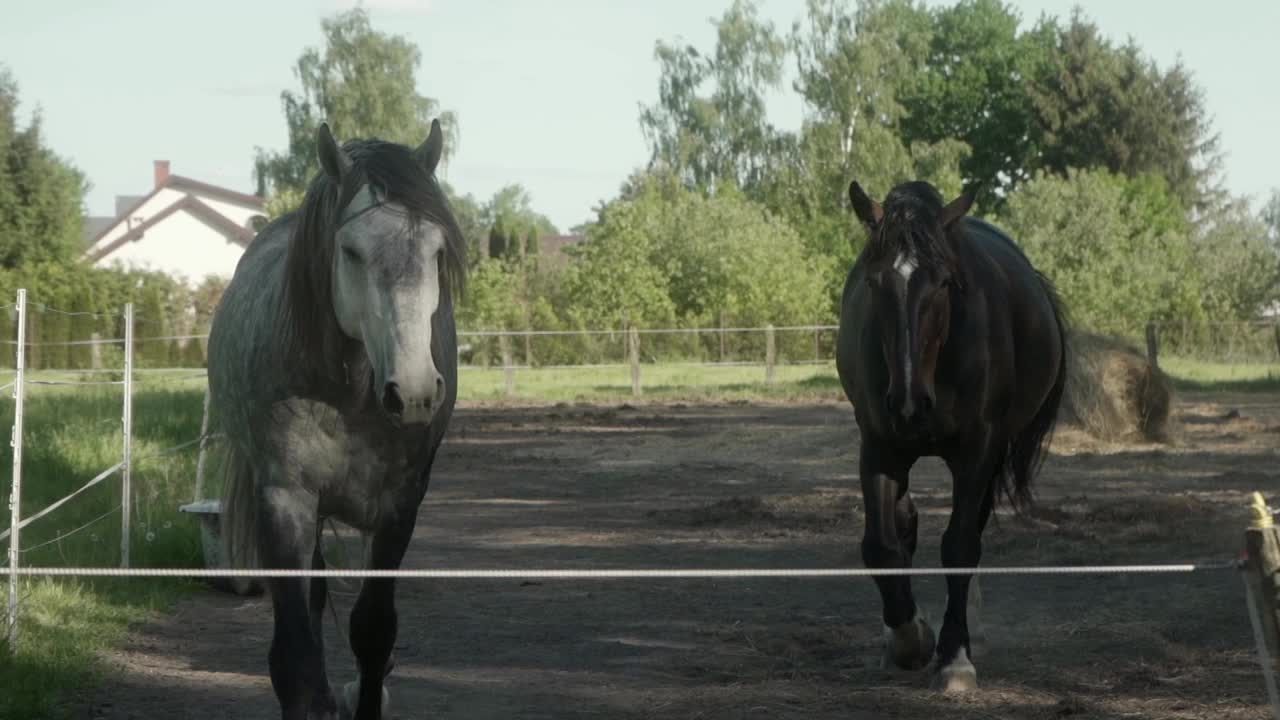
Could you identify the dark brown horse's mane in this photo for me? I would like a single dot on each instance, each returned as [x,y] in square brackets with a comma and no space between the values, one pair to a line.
[309,330]
[910,224]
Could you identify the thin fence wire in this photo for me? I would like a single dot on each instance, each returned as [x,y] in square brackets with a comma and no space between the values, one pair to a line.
[64,499]
[70,533]
[629,573]
[74,382]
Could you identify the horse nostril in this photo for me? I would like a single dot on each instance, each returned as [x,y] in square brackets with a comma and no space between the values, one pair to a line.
[391,400]
[439,389]
[926,404]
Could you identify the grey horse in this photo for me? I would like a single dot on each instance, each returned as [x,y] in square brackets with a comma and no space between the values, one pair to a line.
[333,375]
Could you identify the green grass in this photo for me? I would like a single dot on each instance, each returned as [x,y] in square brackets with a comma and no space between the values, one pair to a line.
[1222,377]
[70,435]
[658,382]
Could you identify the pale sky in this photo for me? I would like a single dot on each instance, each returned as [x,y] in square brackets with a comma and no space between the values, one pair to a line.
[547,92]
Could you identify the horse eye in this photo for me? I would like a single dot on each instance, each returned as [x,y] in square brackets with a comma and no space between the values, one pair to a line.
[351,255]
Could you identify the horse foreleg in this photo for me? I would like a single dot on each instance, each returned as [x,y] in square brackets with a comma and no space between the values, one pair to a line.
[889,541]
[287,541]
[323,703]
[374,622]
[973,495]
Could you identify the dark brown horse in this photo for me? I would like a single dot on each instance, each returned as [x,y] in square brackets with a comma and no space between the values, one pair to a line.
[951,345]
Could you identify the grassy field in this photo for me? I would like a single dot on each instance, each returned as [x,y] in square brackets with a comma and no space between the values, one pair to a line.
[73,433]
[70,436]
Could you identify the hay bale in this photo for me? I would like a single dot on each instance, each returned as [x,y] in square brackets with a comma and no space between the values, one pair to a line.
[1114,393]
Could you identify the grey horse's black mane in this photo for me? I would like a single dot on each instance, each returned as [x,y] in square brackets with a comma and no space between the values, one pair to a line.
[308,328]
[910,224]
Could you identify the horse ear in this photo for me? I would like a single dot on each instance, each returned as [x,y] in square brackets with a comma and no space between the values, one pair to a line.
[867,210]
[959,207]
[428,153]
[333,159]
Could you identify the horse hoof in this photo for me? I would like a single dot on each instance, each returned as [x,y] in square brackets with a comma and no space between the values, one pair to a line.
[910,646]
[351,699]
[958,676]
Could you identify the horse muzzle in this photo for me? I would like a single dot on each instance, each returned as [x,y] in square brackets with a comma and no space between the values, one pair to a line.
[909,414]
[415,404]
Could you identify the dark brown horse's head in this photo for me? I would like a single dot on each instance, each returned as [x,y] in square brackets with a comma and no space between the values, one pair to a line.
[913,277]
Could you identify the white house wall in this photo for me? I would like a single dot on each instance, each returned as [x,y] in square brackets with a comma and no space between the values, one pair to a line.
[162,200]
[181,245]
[236,213]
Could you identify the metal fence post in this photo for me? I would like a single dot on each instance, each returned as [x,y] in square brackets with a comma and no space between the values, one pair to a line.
[15,497]
[204,446]
[126,490]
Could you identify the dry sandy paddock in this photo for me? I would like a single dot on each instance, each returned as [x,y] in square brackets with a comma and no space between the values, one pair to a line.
[763,485]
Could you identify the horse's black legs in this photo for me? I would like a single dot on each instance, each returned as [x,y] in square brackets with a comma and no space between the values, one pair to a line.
[973,495]
[888,541]
[287,536]
[373,619]
[323,703]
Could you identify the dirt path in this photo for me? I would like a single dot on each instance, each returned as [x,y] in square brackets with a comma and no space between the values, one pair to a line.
[756,486]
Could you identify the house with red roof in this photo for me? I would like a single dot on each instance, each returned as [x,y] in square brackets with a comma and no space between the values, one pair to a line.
[182,227]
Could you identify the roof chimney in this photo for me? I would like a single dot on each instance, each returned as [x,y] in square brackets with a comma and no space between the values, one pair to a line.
[162,172]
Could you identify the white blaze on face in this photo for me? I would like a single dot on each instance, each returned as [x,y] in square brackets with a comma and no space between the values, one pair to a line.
[905,266]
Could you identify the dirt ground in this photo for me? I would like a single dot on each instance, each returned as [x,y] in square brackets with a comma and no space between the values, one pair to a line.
[764,485]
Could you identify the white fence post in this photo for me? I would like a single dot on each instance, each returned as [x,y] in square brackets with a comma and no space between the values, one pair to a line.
[204,444]
[126,491]
[15,498]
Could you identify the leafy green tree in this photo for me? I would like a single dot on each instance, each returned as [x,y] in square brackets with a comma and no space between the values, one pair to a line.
[1241,271]
[851,63]
[473,220]
[1119,250]
[363,84]
[1271,219]
[511,208]
[675,255]
[41,195]
[709,125]
[1097,105]
[970,87]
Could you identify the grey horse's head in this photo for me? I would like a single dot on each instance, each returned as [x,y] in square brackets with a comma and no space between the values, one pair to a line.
[388,267]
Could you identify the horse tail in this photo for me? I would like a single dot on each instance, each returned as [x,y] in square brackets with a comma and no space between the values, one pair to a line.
[239,520]
[1026,451]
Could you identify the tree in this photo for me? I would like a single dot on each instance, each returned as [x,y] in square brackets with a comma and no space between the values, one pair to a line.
[1095,105]
[1241,272]
[850,64]
[363,84]
[1118,249]
[970,88]
[671,254]
[41,195]
[1271,219]
[709,125]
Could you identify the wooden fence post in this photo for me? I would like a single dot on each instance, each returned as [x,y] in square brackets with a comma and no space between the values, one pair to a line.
[1262,571]
[770,354]
[95,351]
[508,371]
[633,351]
[1262,543]
[724,340]
[1153,346]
